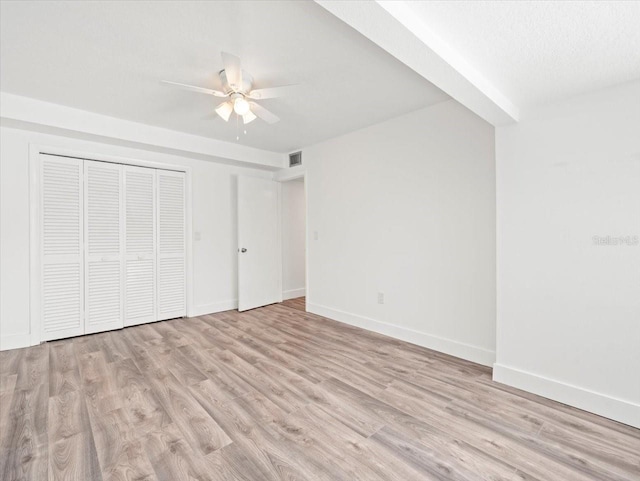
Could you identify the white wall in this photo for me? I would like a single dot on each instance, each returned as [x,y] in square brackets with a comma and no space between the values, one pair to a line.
[407,208]
[214,217]
[293,239]
[569,309]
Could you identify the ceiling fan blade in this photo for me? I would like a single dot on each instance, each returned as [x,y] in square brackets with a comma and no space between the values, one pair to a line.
[193,88]
[233,70]
[272,92]
[263,113]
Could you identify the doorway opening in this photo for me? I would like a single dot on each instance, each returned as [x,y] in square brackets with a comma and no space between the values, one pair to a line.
[293,228]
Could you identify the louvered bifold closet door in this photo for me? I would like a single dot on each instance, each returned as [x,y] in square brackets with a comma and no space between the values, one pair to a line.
[61,219]
[140,245]
[104,256]
[171,245]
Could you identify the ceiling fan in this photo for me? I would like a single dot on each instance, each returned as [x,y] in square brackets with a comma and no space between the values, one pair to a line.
[239,93]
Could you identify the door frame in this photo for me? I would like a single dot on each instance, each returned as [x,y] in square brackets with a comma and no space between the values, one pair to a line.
[35,149]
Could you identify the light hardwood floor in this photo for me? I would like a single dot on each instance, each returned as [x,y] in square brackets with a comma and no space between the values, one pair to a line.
[299,303]
[278,394]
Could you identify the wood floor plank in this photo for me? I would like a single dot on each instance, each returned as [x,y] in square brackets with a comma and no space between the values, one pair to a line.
[319,445]
[197,427]
[331,370]
[225,379]
[137,398]
[387,467]
[112,347]
[85,344]
[245,419]
[33,370]
[23,438]
[5,406]
[98,381]
[8,382]
[67,416]
[500,441]
[185,370]
[145,412]
[569,413]
[233,463]
[298,303]
[591,467]
[278,393]
[271,388]
[265,346]
[173,459]
[11,359]
[612,457]
[74,459]
[64,375]
[24,449]
[434,463]
[120,451]
[456,455]
[167,333]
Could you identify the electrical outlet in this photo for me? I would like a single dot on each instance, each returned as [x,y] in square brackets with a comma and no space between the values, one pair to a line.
[315,235]
[380,297]
[197,236]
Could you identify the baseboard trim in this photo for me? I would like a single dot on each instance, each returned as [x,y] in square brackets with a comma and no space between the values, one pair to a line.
[15,341]
[448,346]
[610,407]
[214,307]
[293,293]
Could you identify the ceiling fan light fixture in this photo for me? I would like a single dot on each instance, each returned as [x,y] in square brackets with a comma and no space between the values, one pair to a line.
[241,106]
[237,89]
[248,117]
[224,110]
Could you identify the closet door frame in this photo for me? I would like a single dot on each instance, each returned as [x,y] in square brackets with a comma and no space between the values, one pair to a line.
[35,334]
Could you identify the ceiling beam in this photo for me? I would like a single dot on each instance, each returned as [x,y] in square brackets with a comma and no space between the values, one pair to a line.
[32,114]
[393,26]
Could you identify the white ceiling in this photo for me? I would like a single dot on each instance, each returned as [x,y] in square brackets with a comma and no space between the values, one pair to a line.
[108,58]
[536,52]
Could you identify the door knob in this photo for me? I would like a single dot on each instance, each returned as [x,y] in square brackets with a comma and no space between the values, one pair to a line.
[243,250]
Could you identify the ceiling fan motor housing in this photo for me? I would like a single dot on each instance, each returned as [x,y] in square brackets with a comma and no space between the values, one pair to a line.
[247,83]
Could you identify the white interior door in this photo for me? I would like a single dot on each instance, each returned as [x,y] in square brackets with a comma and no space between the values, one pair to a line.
[140,245]
[259,266]
[104,235]
[171,245]
[61,250]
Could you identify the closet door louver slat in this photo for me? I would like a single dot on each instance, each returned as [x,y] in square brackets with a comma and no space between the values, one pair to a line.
[140,245]
[104,234]
[171,245]
[61,247]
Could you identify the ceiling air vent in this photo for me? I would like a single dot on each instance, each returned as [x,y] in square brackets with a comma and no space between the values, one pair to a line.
[295,159]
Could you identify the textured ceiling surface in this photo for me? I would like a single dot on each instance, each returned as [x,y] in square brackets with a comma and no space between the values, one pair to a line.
[108,58]
[536,52]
